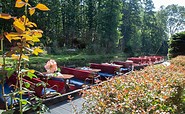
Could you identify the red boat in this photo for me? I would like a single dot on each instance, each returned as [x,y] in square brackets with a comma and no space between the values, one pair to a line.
[71,79]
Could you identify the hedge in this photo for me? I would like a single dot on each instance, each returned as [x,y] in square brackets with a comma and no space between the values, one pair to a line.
[155,89]
[177,45]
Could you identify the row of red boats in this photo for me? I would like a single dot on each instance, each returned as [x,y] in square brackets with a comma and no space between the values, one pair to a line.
[70,79]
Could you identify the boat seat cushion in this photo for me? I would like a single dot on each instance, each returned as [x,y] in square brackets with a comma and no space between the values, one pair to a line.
[7,91]
[125,69]
[77,82]
[57,79]
[106,75]
[48,91]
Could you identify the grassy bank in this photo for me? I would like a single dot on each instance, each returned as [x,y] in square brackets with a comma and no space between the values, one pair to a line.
[72,60]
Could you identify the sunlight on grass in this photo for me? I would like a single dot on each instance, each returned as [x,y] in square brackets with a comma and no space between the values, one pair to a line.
[38,62]
[8,60]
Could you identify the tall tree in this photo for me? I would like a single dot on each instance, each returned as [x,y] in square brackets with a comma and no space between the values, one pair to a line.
[100,24]
[131,25]
[70,9]
[91,17]
[109,16]
[161,34]
[176,18]
[148,28]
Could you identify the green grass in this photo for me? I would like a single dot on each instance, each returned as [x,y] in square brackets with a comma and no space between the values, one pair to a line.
[38,62]
[71,60]
[75,60]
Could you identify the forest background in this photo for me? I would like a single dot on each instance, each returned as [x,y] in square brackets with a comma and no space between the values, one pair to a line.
[103,26]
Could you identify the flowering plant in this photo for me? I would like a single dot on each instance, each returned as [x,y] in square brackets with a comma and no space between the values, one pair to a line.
[51,66]
[25,35]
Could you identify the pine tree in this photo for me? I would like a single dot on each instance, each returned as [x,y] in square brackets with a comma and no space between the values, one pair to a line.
[148,28]
[131,26]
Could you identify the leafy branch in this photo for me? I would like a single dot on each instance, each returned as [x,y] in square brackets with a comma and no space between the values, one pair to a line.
[25,36]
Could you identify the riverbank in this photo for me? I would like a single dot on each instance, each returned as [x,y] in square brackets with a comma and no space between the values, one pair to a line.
[73,60]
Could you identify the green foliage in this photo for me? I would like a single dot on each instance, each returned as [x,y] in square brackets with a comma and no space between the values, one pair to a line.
[131,27]
[149,31]
[24,34]
[72,59]
[155,89]
[108,16]
[36,105]
[177,45]
[10,71]
[175,18]
[8,112]
[87,25]
[143,29]
[101,26]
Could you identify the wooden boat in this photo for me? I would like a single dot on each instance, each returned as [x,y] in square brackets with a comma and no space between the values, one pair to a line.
[73,79]
[81,77]
[106,70]
[137,63]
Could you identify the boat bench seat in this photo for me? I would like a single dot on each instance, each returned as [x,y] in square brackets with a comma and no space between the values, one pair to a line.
[125,70]
[105,75]
[153,59]
[136,60]
[105,68]
[81,77]
[126,66]
[78,83]
[159,58]
[57,85]
[107,71]
[38,88]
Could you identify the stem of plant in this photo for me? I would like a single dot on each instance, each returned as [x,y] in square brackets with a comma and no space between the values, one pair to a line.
[4,76]
[20,81]
[20,76]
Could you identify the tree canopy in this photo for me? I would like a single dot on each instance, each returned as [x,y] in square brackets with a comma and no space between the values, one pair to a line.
[104,26]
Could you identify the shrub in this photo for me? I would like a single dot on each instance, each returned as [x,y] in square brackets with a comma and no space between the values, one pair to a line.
[155,89]
[177,45]
[24,36]
[179,61]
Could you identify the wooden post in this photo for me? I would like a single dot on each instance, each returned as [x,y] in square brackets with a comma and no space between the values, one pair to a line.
[1,37]
[1,45]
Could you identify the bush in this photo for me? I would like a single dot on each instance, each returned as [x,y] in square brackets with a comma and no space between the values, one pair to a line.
[177,45]
[155,89]
[179,61]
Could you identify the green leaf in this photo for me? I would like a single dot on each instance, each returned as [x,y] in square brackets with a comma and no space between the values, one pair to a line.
[41,84]
[27,85]
[24,70]
[1,111]
[26,107]
[10,71]
[58,69]
[24,102]
[8,112]
[31,75]
[1,75]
